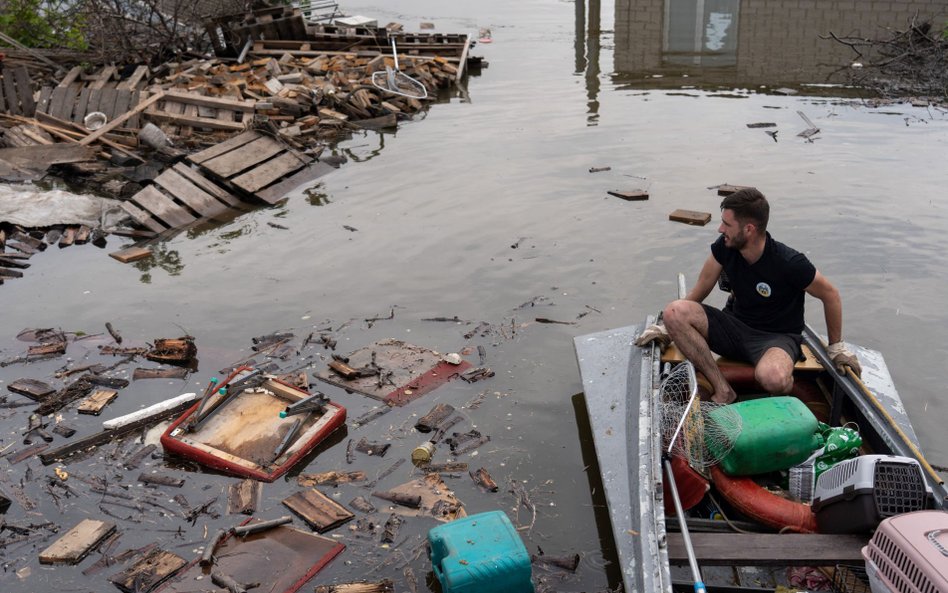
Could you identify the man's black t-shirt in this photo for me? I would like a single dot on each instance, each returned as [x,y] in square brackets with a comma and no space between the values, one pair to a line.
[769,294]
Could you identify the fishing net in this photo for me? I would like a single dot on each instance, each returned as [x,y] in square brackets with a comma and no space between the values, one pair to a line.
[701,432]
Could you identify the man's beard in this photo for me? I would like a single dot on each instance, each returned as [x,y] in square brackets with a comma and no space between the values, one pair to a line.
[737,242]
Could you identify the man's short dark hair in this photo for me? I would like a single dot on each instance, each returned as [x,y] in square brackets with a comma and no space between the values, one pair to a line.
[748,205]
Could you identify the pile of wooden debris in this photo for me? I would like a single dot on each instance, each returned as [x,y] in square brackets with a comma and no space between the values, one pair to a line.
[187,141]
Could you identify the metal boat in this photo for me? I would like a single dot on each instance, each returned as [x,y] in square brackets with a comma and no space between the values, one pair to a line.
[622,391]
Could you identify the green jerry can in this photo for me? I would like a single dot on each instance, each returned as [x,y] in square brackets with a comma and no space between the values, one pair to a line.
[776,433]
[478,554]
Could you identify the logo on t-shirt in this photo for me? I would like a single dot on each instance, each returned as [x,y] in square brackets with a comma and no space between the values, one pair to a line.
[763,289]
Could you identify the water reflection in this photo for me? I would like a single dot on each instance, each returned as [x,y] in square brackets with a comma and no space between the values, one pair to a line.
[587,46]
[748,43]
[162,257]
[316,196]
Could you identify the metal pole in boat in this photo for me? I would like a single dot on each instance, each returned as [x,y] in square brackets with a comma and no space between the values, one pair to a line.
[666,459]
[692,561]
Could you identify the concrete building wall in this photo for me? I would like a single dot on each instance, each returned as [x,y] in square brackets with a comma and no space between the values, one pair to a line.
[778,40]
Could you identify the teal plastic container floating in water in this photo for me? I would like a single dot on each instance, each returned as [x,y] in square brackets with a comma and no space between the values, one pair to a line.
[479,554]
[776,433]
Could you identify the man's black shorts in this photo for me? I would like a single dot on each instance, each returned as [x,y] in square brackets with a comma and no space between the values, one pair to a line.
[736,340]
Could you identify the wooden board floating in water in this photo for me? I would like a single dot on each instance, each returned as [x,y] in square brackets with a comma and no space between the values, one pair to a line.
[77,542]
[244,497]
[130,254]
[98,400]
[319,511]
[32,388]
[148,572]
[727,189]
[631,196]
[690,217]
[383,586]
[283,557]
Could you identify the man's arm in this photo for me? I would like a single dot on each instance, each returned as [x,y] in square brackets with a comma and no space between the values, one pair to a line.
[822,289]
[710,272]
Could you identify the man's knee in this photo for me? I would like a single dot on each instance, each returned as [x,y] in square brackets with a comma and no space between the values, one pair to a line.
[678,313]
[774,380]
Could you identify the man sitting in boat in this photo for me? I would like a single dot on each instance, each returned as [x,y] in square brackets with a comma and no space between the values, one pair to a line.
[763,320]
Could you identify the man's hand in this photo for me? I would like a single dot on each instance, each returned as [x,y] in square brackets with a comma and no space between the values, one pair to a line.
[843,358]
[654,333]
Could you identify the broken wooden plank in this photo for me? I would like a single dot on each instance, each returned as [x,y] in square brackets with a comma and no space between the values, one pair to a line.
[244,497]
[434,417]
[223,147]
[195,120]
[383,586]
[142,419]
[278,190]
[330,478]
[130,254]
[270,171]
[161,480]
[244,157]
[727,189]
[372,447]
[205,184]
[215,102]
[412,501]
[319,511]
[185,191]
[630,196]
[690,217]
[149,572]
[135,459]
[24,454]
[95,402]
[32,388]
[76,543]
[142,217]
[166,373]
[162,207]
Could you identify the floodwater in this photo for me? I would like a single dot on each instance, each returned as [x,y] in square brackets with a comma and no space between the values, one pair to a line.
[487,204]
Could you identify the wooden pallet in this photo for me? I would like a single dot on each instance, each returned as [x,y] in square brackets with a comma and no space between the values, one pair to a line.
[16,92]
[178,197]
[78,95]
[201,112]
[73,103]
[254,164]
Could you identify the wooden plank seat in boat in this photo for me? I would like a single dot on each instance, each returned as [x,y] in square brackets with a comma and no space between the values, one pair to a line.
[809,362]
[768,549]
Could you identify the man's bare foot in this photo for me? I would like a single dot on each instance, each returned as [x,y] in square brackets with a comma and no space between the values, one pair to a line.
[721,397]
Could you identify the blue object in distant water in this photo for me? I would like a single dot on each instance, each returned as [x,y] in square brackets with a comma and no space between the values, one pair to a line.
[480,553]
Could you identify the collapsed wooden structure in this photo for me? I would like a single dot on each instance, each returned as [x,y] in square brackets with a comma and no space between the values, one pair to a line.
[193,141]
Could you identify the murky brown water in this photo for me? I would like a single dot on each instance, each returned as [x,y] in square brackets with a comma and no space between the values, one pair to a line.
[439,204]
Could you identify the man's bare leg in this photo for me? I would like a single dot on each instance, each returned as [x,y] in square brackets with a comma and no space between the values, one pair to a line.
[687,324]
[774,371]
